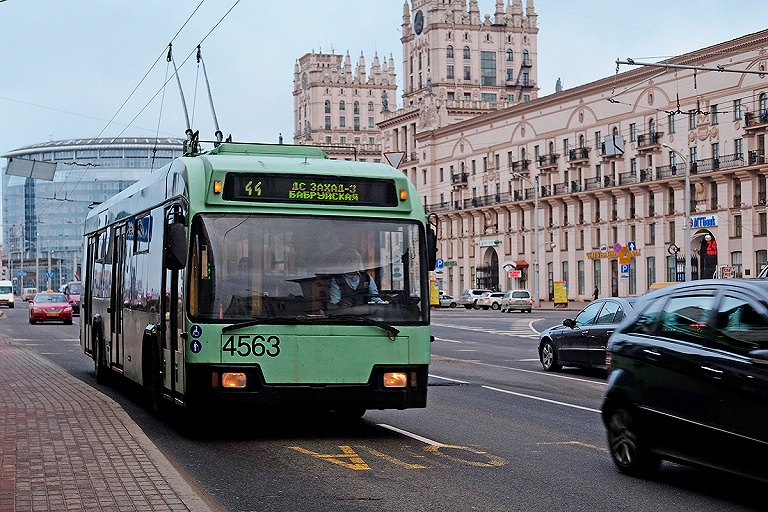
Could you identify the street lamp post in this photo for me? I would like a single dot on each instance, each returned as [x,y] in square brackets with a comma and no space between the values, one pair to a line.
[535,185]
[687,222]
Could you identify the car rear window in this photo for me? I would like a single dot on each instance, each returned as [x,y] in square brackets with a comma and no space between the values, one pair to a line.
[520,295]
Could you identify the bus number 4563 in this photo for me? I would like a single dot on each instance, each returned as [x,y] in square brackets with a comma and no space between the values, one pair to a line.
[246,345]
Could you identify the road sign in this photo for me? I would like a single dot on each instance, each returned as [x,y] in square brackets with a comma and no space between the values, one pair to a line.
[624,256]
[49,274]
[616,247]
[625,268]
[632,246]
[395,158]
[439,263]
[22,274]
[439,273]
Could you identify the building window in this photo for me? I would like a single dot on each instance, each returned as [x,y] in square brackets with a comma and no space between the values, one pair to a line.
[489,97]
[738,148]
[356,123]
[632,132]
[596,273]
[466,52]
[342,105]
[449,52]
[652,233]
[510,55]
[370,106]
[737,226]
[580,277]
[713,114]
[449,71]
[650,267]
[737,110]
[488,68]
[371,123]
[467,74]
[598,141]
[671,232]
[761,259]
[327,122]
[691,119]
[356,108]
[762,227]
[510,75]
[327,106]
[736,193]
[526,82]
[736,262]
[342,122]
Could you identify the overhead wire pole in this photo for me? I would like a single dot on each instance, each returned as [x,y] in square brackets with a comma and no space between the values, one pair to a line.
[535,185]
[219,135]
[687,221]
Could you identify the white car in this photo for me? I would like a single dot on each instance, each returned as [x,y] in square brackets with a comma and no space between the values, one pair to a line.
[446,301]
[490,300]
[517,300]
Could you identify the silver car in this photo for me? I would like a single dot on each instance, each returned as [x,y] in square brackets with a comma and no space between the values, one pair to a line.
[517,300]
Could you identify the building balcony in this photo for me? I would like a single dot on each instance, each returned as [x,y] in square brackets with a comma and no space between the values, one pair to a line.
[756,121]
[547,162]
[756,157]
[649,141]
[578,155]
[460,179]
[520,166]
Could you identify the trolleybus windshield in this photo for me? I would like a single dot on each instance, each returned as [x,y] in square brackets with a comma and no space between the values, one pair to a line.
[252,268]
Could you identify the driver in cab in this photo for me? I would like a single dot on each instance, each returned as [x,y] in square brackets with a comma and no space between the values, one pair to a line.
[354,287]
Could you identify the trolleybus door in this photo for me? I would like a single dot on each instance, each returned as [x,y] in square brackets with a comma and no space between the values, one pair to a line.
[173,353]
[116,297]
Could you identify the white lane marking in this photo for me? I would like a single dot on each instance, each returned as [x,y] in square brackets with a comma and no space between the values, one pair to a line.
[543,399]
[527,360]
[446,378]
[455,341]
[536,372]
[411,435]
[522,333]
[466,350]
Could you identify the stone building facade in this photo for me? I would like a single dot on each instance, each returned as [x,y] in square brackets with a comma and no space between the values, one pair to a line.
[604,166]
[338,108]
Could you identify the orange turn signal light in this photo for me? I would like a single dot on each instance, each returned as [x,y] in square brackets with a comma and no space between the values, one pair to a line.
[217,187]
[233,380]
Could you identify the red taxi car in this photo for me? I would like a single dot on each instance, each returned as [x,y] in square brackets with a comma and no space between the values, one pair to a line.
[50,306]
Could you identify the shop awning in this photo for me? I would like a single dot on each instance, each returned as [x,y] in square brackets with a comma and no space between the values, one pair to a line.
[521,264]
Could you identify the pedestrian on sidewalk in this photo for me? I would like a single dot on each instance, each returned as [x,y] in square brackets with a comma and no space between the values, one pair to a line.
[596,294]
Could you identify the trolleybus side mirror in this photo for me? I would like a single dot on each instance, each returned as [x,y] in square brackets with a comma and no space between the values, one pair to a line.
[431,248]
[175,246]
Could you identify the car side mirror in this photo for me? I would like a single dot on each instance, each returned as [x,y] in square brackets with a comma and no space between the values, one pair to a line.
[759,357]
[569,322]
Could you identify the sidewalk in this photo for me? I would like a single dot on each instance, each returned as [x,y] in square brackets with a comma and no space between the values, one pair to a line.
[65,446]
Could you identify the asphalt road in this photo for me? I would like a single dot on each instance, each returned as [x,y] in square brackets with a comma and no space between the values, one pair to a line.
[498,434]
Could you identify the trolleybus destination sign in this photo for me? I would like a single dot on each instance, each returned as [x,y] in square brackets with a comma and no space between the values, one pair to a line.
[289,188]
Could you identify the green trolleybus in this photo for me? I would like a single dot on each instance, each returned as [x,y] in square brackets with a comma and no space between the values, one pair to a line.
[254,275]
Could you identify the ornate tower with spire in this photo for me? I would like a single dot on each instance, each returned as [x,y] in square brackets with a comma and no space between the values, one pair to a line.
[458,64]
[338,107]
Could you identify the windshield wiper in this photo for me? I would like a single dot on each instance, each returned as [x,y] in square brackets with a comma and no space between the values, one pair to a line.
[288,320]
[311,319]
[368,321]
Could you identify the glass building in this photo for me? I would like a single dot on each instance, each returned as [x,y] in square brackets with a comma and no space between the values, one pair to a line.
[41,221]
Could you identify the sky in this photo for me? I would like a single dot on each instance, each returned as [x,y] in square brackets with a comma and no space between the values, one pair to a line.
[96,68]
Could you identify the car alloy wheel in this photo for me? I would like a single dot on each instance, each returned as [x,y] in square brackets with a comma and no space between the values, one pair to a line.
[548,357]
[628,449]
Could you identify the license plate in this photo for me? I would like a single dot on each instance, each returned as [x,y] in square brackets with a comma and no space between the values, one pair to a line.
[52,314]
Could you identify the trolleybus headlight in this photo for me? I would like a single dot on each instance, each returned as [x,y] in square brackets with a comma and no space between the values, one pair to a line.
[233,380]
[395,380]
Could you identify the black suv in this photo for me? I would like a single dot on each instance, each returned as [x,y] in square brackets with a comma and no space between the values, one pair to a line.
[689,379]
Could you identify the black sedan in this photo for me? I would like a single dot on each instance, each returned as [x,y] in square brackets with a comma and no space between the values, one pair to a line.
[581,341]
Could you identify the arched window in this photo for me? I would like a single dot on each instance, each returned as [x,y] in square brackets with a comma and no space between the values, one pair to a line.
[342,106]
[449,52]
[525,57]
[466,52]
[581,141]
[551,148]
[651,127]
[510,55]
[357,107]
[327,106]
[370,106]
[763,102]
